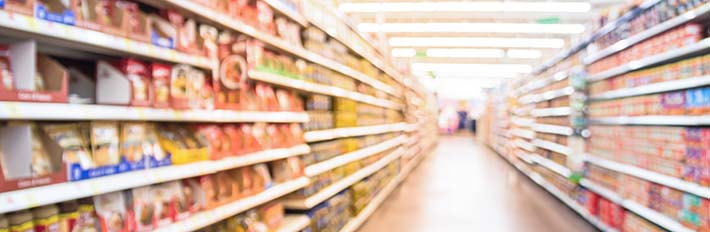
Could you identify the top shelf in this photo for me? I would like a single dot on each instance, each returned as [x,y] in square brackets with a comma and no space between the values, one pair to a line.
[291,13]
[93,41]
[225,21]
[600,32]
[653,31]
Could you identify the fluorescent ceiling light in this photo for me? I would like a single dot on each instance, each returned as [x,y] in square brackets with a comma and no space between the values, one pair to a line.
[474,27]
[465,53]
[524,53]
[475,42]
[471,68]
[453,6]
[403,52]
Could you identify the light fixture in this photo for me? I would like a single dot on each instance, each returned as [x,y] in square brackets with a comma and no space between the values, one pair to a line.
[464,53]
[453,6]
[471,68]
[403,52]
[475,42]
[531,28]
[524,53]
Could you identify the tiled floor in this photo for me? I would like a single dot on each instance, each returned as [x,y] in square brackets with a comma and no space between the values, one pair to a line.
[463,186]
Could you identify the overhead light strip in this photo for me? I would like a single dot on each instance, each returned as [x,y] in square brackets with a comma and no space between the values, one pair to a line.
[487,42]
[567,7]
[527,28]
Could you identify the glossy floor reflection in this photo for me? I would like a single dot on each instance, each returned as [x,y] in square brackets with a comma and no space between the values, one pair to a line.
[463,186]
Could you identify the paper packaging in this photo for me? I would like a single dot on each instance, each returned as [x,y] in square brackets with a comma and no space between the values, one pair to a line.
[36,159]
[22,6]
[143,208]
[112,213]
[187,88]
[55,11]
[161,74]
[232,73]
[125,82]
[109,16]
[163,33]
[36,78]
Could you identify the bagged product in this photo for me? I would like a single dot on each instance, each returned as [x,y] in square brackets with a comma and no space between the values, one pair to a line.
[111,210]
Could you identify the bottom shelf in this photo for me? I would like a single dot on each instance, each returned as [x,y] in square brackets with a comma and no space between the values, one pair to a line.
[535,177]
[360,219]
[294,223]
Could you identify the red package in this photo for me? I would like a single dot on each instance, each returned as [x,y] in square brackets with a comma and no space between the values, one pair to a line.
[234,136]
[161,85]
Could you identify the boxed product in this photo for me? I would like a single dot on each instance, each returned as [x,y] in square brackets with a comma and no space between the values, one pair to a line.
[55,11]
[35,158]
[19,6]
[189,88]
[28,76]
[126,82]
[232,74]
[111,211]
[163,33]
[181,145]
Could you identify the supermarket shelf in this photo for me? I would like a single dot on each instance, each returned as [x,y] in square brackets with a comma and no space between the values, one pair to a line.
[94,41]
[32,197]
[570,203]
[209,217]
[602,191]
[320,89]
[641,210]
[677,120]
[314,136]
[557,193]
[527,158]
[360,219]
[414,163]
[562,149]
[651,60]
[315,169]
[552,129]
[524,122]
[548,95]
[528,134]
[653,31]
[294,223]
[661,87]
[273,41]
[293,14]
[62,112]
[549,164]
[558,76]
[335,188]
[652,176]
[524,145]
[551,112]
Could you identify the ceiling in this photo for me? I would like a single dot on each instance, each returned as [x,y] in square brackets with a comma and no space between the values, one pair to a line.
[475,42]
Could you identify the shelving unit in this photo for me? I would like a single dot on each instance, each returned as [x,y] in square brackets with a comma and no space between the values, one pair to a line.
[376,85]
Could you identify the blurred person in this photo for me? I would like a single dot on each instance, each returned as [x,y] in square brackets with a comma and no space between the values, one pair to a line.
[449,120]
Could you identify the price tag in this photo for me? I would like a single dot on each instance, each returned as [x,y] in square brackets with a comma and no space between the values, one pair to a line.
[32,24]
[13,110]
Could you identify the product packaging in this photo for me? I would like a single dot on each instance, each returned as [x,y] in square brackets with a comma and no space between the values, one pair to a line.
[181,145]
[160,75]
[157,157]
[135,145]
[88,219]
[143,208]
[126,82]
[21,221]
[233,135]
[195,196]
[218,144]
[272,215]
[286,169]
[187,38]
[109,16]
[46,218]
[55,11]
[34,77]
[249,141]
[111,211]
[68,215]
[163,33]
[22,6]
[189,88]
[29,157]
[232,72]
[139,27]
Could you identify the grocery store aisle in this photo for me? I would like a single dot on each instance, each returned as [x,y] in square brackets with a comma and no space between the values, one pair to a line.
[463,186]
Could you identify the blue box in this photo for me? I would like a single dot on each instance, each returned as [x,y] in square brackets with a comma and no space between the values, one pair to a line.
[66,17]
[2,4]
[164,42]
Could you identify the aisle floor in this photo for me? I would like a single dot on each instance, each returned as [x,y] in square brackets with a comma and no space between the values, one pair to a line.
[464,186]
